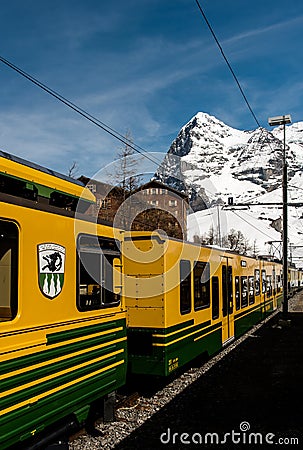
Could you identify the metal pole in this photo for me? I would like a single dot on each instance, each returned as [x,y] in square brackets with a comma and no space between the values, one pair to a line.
[219,227]
[285,237]
[273,121]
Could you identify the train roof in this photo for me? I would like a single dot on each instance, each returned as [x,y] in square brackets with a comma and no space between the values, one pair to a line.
[35,166]
[26,179]
[161,238]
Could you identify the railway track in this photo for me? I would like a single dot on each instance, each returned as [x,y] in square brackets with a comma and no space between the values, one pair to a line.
[134,409]
[139,401]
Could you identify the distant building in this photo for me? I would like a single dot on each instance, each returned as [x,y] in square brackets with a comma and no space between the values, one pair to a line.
[165,208]
[108,199]
[152,206]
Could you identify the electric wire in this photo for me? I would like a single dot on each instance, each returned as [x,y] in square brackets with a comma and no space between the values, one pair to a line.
[82,112]
[296,187]
[228,63]
[253,226]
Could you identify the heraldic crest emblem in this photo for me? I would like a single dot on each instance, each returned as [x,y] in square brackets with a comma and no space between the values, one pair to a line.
[51,261]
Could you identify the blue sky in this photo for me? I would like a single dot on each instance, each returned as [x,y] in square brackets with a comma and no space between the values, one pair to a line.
[146,66]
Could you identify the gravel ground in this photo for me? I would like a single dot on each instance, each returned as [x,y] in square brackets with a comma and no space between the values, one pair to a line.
[130,418]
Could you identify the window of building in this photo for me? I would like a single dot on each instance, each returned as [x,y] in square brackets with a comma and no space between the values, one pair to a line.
[172,203]
[92,187]
[215,297]
[153,202]
[163,191]
[106,203]
[154,191]
[244,292]
[251,290]
[185,286]
[99,283]
[201,285]
[8,270]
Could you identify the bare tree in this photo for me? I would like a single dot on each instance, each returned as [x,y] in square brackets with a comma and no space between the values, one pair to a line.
[126,170]
[234,240]
[72,171]
[126,177]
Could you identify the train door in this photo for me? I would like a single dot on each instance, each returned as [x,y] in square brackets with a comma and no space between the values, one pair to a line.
[227,305]
[274,281]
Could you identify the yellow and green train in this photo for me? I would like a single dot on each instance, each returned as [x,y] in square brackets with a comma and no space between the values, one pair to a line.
[62,344]
[83,303]
[183,300]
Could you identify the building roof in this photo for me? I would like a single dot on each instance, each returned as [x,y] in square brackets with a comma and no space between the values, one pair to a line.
[45,180]
[102,188]
[156,183]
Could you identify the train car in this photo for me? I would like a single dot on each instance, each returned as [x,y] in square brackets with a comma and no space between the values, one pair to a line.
[62,313]
[184,300]
[294,279]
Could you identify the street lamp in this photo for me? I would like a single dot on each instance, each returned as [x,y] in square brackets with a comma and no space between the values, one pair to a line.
[274,121]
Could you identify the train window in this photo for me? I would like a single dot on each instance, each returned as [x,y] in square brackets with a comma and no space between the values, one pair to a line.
[201,285]
[230,289]
[227,290]
[185,287]
[268,286]
[278,283]
[251,290]
[274,281]
[224,291]
[244,292]
[257,282]
[8,270]
[237,292]
[215,297]
[97,271]
[263,281]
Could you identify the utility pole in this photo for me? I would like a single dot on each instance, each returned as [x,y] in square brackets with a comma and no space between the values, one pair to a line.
[274,121]
[219,226]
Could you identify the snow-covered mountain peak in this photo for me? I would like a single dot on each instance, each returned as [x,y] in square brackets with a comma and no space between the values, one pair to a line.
[214,161]
[208,147]
[204,134]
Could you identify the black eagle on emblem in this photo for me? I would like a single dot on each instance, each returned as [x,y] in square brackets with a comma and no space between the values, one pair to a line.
[54,262]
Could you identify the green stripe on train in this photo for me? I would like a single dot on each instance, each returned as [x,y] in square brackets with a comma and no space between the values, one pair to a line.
[180,334]
[162,360]
[23,422]
[55,382]
[36,415]
[45,355]
[246,320]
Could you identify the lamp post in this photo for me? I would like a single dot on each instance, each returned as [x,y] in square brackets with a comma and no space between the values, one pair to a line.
[275,121]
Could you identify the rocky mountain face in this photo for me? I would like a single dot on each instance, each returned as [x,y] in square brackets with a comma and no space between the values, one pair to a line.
[212,161]
[206,151]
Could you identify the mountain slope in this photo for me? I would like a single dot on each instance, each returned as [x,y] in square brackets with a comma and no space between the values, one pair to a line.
[213,161]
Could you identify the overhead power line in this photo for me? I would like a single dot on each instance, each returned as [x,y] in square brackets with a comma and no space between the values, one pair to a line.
[82,112]
[228,63]
[252,225]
